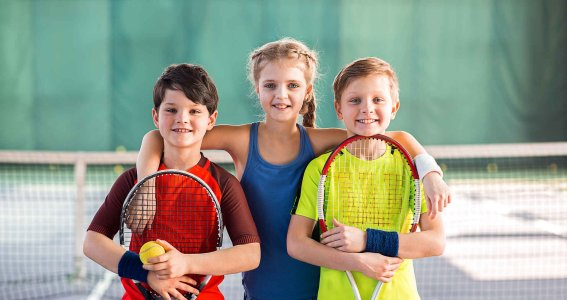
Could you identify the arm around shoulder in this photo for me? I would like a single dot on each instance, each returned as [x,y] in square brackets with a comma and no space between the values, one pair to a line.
[149,156]
[233,139]
[407,140]
[225,137]
[325,139]
[437,193]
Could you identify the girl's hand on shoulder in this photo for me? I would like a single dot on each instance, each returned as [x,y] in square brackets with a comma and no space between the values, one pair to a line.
[141,211]
[169,265]
[437,193]
[344,238]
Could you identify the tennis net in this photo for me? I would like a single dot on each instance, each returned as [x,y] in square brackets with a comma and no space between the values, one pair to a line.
[506,228]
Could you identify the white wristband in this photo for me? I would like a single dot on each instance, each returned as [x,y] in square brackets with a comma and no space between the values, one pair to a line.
[425,163]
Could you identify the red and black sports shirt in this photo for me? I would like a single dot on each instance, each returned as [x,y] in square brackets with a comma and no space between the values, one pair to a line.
[235,212]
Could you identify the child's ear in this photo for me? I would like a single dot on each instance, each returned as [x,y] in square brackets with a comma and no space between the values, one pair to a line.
[155,117]
[338,110]
[395,108]
[212,120]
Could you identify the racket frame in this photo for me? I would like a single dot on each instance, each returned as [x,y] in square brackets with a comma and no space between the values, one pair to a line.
[321,195]
[157,174]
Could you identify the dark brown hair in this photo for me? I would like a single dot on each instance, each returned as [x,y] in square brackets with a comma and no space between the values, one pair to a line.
[192,80]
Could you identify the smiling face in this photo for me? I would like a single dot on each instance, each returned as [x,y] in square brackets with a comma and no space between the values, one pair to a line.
[282,88]
[181,122]
[366,105]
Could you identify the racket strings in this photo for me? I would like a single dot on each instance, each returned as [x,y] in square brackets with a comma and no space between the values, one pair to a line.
[366,187]
[181,211]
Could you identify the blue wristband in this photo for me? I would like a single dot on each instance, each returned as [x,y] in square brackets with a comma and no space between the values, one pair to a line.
[383,242]
[130,266]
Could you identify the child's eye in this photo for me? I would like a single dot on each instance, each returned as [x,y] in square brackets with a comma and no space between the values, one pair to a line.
[171,110]
[293,85]
[269,85]
[378,100]
[195,111]
[354,101]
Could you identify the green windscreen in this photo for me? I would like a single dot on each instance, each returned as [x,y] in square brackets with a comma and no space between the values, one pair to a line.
[78,75]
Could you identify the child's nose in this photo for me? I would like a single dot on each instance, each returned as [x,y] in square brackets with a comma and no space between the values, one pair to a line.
[367,107]
[281,92]
[183,117]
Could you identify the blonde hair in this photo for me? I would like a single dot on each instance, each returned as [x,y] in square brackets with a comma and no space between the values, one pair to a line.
[363,67]
[287,48]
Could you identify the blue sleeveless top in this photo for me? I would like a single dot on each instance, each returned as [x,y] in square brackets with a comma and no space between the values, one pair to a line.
[271,191]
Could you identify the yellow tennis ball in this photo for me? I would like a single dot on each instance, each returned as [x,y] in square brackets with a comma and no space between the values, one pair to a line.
[149,250]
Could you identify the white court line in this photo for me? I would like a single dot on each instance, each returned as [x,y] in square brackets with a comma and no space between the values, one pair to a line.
[542,224]
[102,286]
[549,227]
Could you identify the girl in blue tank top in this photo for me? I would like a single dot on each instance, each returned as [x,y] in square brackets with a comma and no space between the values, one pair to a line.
[270,157]
[270,189]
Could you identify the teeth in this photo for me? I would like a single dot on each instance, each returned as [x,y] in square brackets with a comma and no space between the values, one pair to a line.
[280,106]
[182,130]
[366,121]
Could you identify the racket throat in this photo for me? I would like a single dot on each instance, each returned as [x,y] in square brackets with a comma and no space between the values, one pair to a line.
[322,225]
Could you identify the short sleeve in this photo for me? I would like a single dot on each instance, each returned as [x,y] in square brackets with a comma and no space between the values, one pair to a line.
[235,211]
[107,219]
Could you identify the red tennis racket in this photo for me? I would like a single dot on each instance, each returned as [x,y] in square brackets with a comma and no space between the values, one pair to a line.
[369,182]
[186,213]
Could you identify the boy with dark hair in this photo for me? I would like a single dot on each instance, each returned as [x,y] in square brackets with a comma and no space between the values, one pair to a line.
[185,102]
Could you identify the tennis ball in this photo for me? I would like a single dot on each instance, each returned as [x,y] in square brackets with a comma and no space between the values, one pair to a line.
[149,250]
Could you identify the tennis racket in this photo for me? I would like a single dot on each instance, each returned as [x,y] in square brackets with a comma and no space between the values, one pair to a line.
[369,182]
[186,213]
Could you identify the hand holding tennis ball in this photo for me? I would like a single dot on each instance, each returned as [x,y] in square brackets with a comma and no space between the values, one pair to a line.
[169,265]
[149,250]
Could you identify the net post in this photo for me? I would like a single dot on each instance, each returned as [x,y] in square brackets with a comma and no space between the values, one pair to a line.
[80,171]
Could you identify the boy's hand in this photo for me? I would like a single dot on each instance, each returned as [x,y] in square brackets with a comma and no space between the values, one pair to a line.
[344,238]
[378,266]
[169,265]
[437,193]
[141,213]
[171,287]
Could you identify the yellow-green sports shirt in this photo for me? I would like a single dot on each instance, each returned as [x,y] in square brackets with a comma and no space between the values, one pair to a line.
[334,284]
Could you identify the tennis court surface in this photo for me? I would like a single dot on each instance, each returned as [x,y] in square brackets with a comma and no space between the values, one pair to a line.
[506,228]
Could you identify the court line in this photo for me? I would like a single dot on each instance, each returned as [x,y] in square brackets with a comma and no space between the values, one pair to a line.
[102,286]
[541,224]
[549,227]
